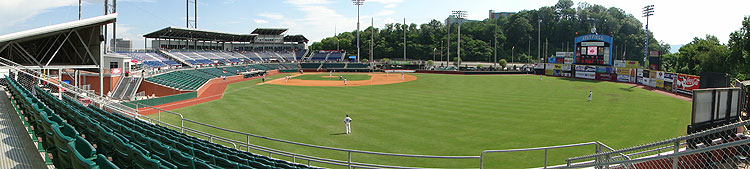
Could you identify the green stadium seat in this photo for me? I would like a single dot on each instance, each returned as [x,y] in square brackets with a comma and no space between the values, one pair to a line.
[63,135]
[159,149]
[208,158]
[200,164]
[256,164]
[83,154]
[184,149]
[180,160]
[104,140]
[102,163]
[164,164]
[122,152]
[142,161]
[237,159]
[284,165]
[224,163]
[242,166]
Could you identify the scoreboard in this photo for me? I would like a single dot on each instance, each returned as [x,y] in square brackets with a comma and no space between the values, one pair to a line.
[593,49]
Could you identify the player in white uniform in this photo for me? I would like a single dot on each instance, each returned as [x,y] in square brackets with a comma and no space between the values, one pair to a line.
[348,122]
[344,81]
[590,94]
[402,76]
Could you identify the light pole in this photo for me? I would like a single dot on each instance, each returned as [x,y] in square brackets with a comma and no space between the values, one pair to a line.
[512,54]
[358,3]
[539,40]
[434,50]
[460,15]
[648,10]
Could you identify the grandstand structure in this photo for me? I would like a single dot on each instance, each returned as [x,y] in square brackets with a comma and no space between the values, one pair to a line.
[197,48]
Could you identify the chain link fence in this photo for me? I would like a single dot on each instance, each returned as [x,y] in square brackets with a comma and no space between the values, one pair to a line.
[727,146]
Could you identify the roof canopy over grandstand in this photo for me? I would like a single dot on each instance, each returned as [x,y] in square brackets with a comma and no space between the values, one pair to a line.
[198,34]
[269,31]
[75,44]
[182,33]
[296,38]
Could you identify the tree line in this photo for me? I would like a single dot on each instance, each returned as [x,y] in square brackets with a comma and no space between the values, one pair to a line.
[554,27]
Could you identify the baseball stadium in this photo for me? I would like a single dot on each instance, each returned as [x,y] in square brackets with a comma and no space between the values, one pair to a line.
[76,96]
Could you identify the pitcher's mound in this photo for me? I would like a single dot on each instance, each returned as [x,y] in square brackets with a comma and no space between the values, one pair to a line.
[375,79]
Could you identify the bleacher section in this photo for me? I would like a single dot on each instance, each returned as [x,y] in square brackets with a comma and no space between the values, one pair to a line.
[317,56]
[84,136]
[333,65]
[290,65]
[59,138]
[309,65]
[152,59]
[356,66]
[192,79]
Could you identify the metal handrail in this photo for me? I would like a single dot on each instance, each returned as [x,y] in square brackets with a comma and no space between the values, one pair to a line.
[481,156]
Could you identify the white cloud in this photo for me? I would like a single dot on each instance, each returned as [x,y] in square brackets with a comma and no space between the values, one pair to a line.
[272,15]
[385,12]
[318,16]
[260,21]
[308,2]
[13,12]
[391,6]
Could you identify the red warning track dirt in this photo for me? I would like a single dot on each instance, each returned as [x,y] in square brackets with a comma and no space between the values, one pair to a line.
[375,79]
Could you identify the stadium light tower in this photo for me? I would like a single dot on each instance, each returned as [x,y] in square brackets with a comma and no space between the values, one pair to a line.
[460,15]
[358,3]
[648,10]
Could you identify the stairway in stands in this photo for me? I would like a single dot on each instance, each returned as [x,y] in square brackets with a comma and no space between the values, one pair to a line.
[126,88]
[173,57]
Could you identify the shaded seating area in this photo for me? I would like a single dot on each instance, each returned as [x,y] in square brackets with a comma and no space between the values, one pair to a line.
[58,137]
[85,136]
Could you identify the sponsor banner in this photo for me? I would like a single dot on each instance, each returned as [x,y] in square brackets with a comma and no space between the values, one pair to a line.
[687,82]
[399,71]
[645,73]
[549,72]
[668,86]
[601,69]
[557,73]
[569,60]
[631,64]
[549,66]
[659,84]
[639,80]
[640,73]
[660,75]
[586,75]
[652,74]
[652,82]
[620,63]
[605,76]
[669,77]
[561,54]
[623,71]
[566,67]
[623,78]
[539,66]
[645,81]
[567,74]
[557,66]
[580,68]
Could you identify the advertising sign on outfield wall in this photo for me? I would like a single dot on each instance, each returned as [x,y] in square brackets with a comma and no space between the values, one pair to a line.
[623,71]
[566,67]
[668,86]
[659,84]
[601,69]
[557,66]
[631,64]
[659,75]
[646,73]
[623,78]
[639,73]
[557,72]
[569,60]
[606,76]
[669,77]
[620,63]
[687,82]
[645,81]
[586,75]
[549,72]
[549,66]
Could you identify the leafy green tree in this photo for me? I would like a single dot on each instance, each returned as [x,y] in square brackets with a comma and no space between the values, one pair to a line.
[502,62]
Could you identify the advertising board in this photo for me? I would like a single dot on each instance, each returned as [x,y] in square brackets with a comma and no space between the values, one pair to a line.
[605,76]
[586,75]
[687,82]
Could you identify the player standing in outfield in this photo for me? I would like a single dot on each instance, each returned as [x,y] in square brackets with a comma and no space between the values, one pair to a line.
[348,122]
[540,77]
[330,73]
[344,81]
[590,94]
[263,79]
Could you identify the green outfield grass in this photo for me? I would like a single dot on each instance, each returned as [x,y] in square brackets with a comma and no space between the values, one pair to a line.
[446,115]
[348,76]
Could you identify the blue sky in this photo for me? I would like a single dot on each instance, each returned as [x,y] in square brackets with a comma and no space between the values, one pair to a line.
[675,22]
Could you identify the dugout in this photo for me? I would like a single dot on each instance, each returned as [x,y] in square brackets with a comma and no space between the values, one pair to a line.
[254,73]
